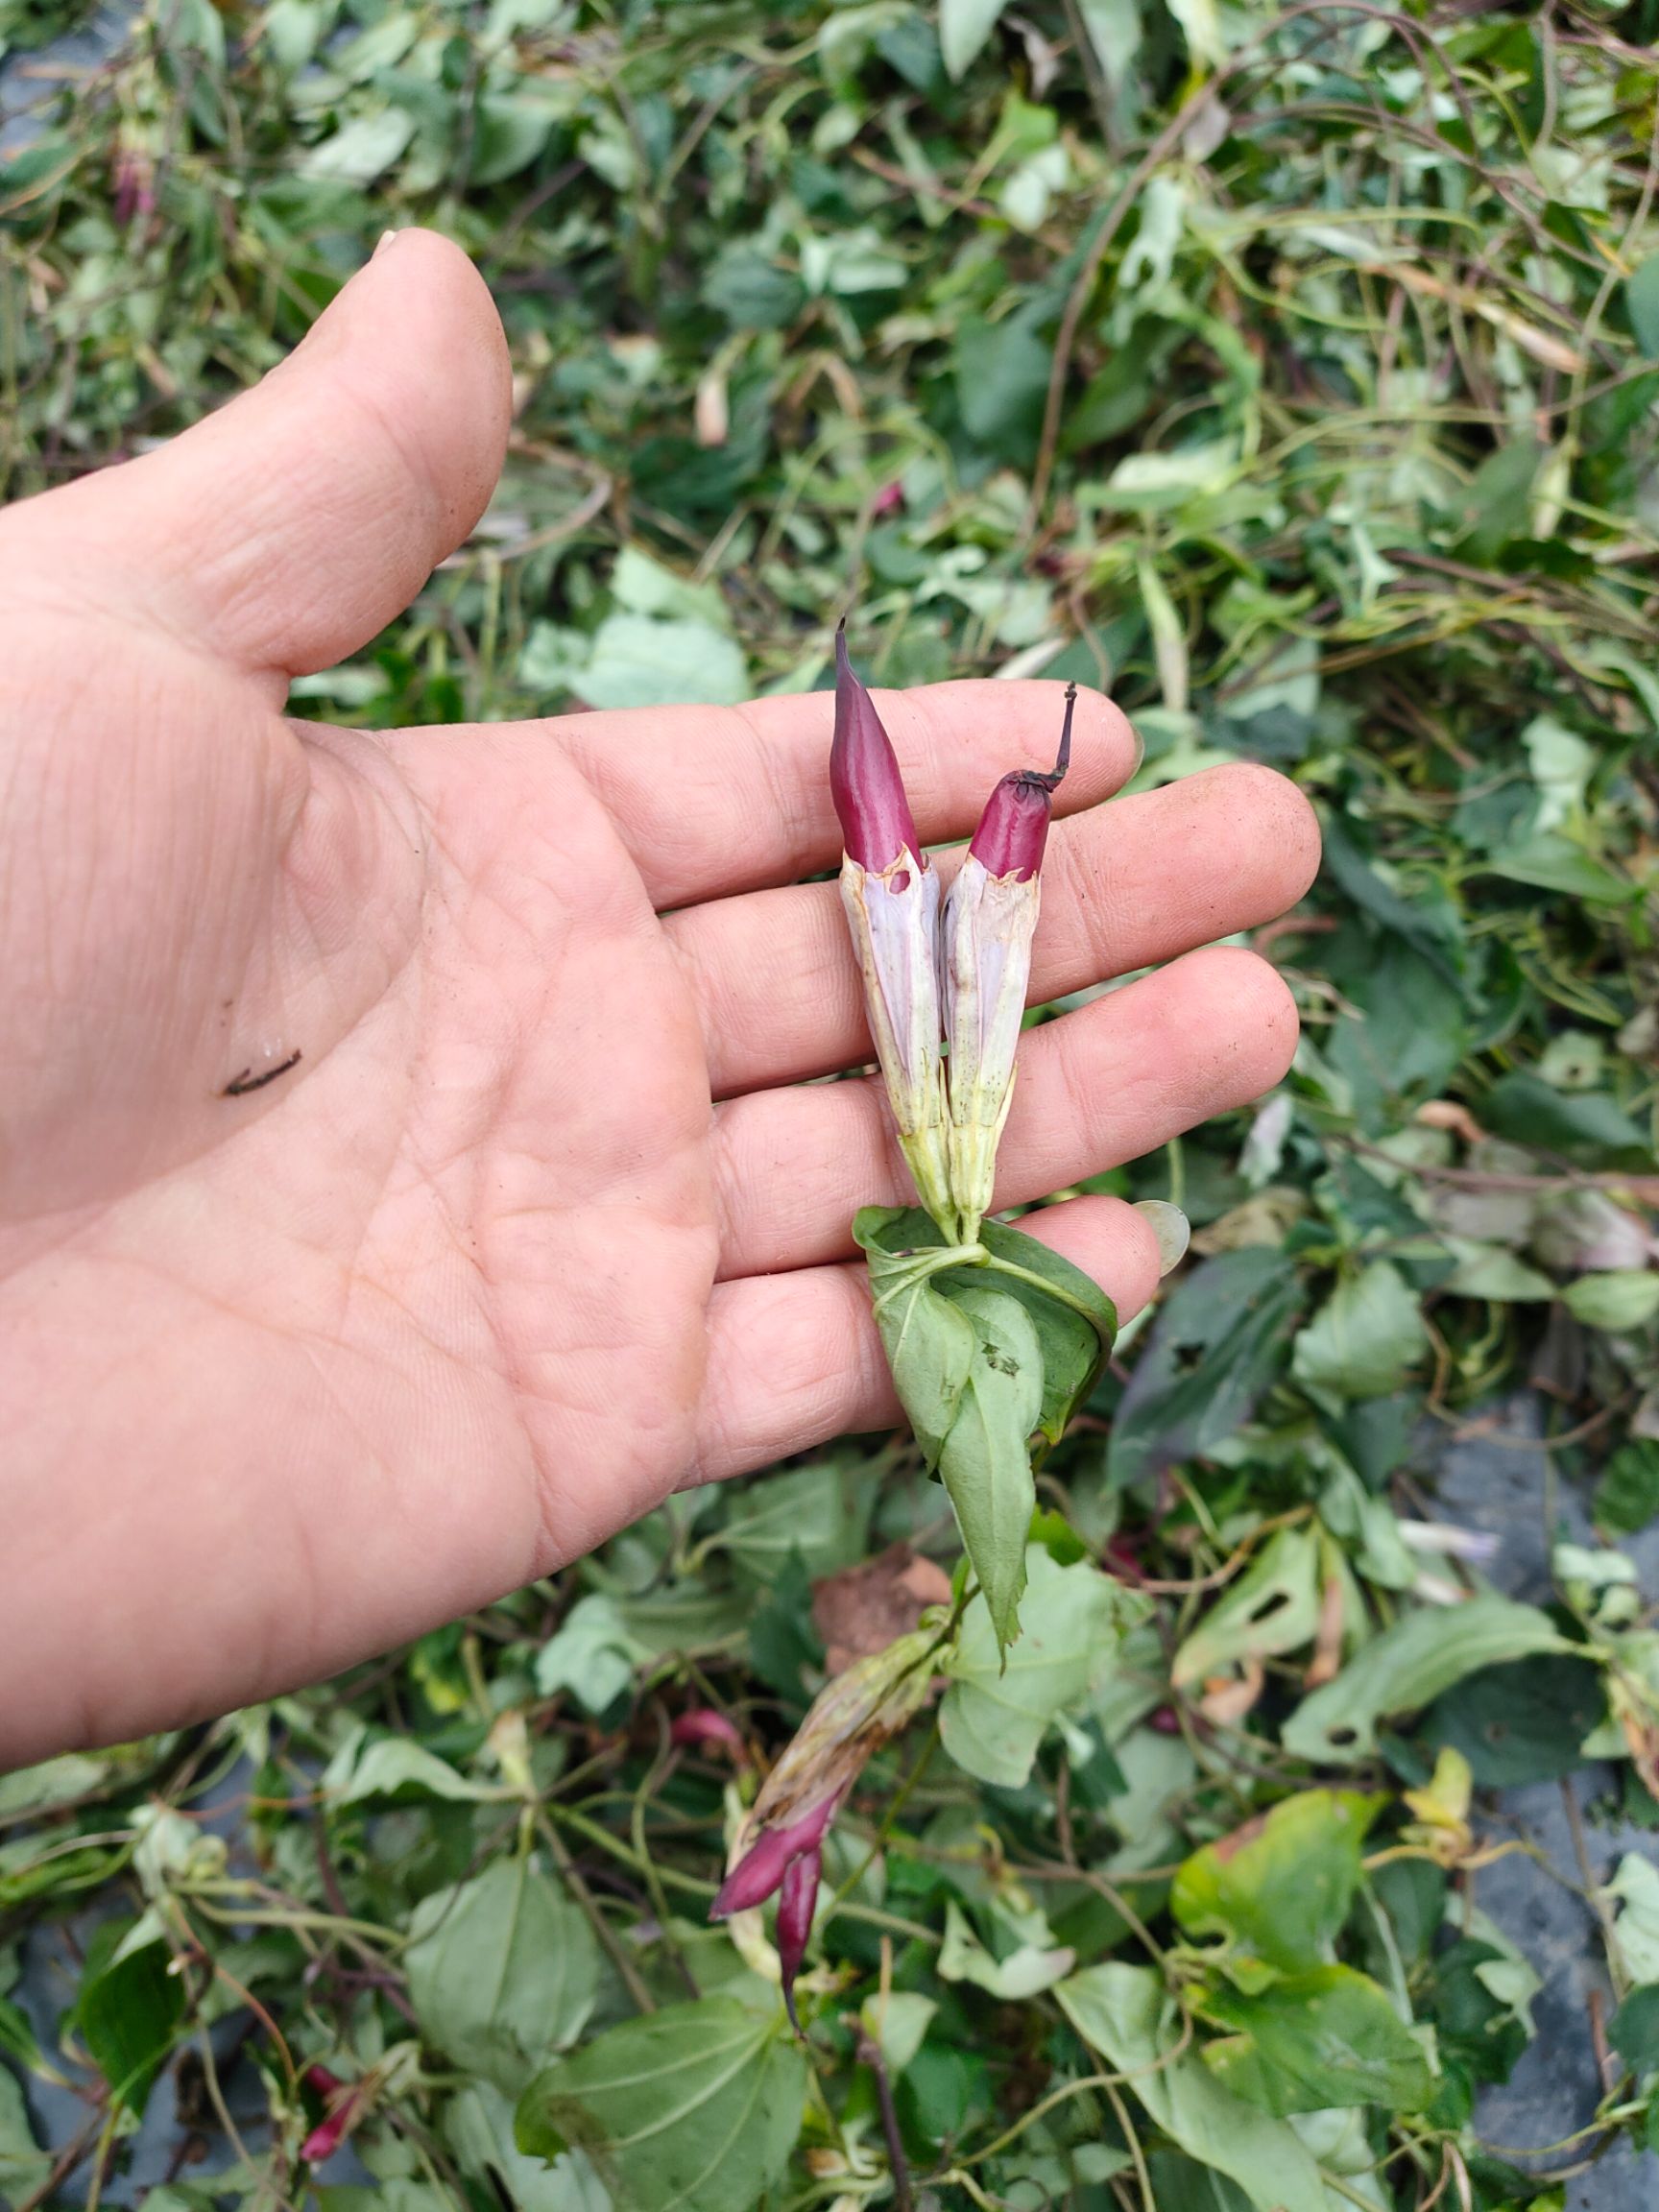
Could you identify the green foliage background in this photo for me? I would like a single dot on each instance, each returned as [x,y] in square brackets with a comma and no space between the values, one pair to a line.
[1295,375]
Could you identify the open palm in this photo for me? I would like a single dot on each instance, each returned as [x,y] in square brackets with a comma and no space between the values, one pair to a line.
[544,1221]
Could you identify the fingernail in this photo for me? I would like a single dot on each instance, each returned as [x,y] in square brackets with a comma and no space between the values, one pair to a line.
[1171,1228]
[385,239]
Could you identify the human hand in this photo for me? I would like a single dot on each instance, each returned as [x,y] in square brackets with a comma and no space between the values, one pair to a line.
[543,1221]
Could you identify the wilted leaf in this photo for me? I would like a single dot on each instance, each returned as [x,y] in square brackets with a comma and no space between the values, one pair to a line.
[1023,1972]
[864,1609]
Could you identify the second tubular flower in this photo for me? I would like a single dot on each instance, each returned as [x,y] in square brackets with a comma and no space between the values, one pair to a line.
[988,920]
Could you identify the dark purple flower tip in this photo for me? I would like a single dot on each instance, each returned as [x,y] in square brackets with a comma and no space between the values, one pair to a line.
[702,1729]
[864,779]
[1014,828]
[796,1900]
[763,1865]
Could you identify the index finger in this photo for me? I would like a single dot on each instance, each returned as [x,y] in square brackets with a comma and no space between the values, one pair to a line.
[713,800]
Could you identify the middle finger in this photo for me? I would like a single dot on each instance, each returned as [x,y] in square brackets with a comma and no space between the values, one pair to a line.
[1125,886]
[1115,1079]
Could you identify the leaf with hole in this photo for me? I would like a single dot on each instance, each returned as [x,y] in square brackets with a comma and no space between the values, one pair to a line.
[1273,1608]
[1408,1667]
[1218,1342]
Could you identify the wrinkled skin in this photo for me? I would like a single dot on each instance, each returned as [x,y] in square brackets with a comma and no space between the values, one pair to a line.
[543,1223]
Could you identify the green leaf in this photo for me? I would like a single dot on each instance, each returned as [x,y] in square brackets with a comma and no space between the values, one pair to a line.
[1642,304]
[502,1971]
[1627,1495]
[1634,2029]
[1428,931]
[1125,2014]
[1621,1299]
[1408,1667]
[998,1709]
[964,28]
[1283,1885]
[694,2108]
[930,1345]
[1523,1722]
[751,290]
[23,2165]
[1555,863]
[478,2128]
[361,150]
[386,1765]
[1001,378]
[1218,1342]
[1273,1608]
[595,1654]
[53,1783]
[129,2011]
[822,1512]
[1023,1972]
[1366,1337]
[1325,2037]
[1075,1344]
[1586,1125]
[638,661]
[986,1461]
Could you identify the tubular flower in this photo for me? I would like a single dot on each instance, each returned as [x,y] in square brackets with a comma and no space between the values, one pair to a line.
[985,938]
[891,894]
[778,1850]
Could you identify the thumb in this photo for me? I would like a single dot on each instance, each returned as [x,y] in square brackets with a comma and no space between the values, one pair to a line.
[284,531]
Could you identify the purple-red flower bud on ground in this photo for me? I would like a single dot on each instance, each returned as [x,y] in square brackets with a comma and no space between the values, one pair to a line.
[864,779]
[702,1729]
[1014,828]
[763,1865]
[345,2106]
[797,1900]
